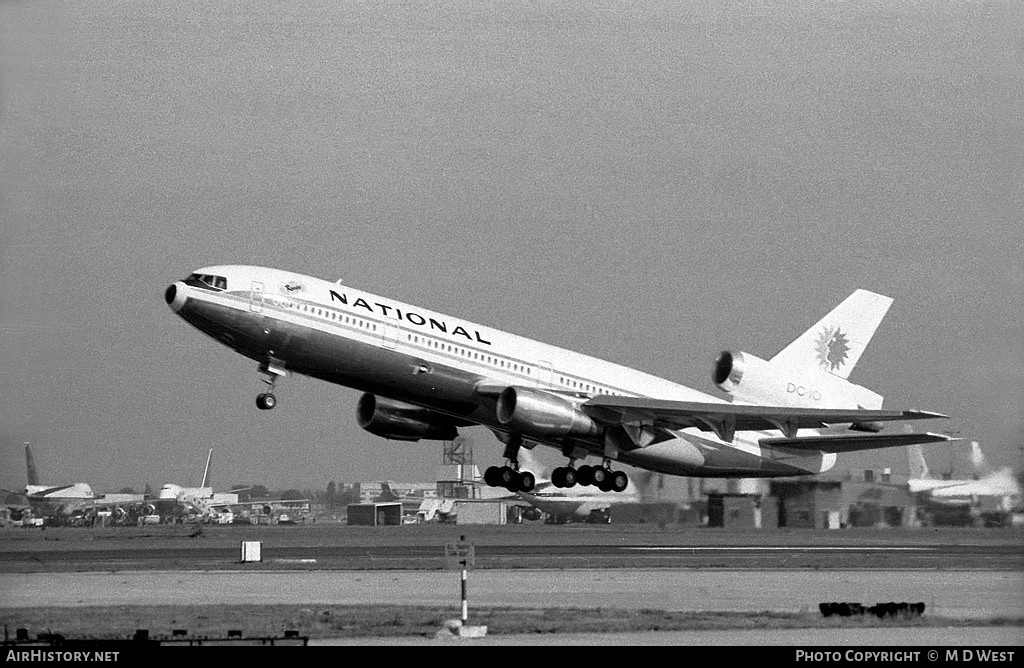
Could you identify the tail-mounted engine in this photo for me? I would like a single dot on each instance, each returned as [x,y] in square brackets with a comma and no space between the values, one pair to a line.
[746,377]
[400,421]
[752,380]
[538,413]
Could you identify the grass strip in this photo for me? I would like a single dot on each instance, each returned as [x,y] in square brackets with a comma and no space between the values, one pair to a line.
[340,621]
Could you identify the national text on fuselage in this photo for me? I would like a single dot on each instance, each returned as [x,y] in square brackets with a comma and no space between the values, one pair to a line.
[408,316]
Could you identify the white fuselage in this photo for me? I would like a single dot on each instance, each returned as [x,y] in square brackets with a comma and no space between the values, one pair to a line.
[294,323]
[1000,485]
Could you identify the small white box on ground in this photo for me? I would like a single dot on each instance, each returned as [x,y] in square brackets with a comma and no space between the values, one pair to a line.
[472,631]
[251,551]
[455,628]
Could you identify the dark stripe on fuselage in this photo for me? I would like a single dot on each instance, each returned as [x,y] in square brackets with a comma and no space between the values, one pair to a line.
[329,356]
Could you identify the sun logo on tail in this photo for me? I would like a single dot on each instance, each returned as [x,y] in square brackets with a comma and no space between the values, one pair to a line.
[832,348]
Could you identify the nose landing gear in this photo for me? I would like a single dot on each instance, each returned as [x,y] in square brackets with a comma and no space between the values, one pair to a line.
[266,400]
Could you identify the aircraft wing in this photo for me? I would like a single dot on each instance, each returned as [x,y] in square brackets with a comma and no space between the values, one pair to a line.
[726,418]
[43,493]
[837,443]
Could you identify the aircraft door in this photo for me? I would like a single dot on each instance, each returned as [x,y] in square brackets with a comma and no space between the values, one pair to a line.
[390,335]
[256,297]
[544,374]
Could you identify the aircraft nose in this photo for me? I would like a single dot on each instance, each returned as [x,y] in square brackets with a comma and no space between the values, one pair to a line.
[175,296]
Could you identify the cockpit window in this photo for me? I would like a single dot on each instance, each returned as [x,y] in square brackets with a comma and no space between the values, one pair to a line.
[207,282]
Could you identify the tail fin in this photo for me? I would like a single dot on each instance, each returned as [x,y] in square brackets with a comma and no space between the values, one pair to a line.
[30,465]
[918,466]
[529,461]
[837,341]
[206,471]
[978,461]
[386,493]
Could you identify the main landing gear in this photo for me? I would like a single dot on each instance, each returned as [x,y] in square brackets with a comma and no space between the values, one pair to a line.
[601,477]
[510,477]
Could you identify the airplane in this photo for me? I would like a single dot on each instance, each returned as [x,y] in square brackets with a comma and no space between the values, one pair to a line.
[1000,485]
[77,498]
[574,504]
[425,375]
[202,500]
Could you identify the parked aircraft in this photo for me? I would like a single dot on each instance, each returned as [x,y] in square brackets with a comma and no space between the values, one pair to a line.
[424,375]
[41,500]
[1000,485]
[570,504]
[173,499]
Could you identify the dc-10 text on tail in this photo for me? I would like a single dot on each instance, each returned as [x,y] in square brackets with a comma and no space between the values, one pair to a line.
[424,375]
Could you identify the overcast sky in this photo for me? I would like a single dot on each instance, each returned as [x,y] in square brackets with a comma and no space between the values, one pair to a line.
[649,183]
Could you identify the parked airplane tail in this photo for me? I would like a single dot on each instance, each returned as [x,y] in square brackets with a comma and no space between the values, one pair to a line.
[30,464]
[918,466]
[529,462]
[811,371]
[386,493]
[206,471]
[978,463]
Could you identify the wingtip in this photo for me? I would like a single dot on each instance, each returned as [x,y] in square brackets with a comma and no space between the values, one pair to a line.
[925,415]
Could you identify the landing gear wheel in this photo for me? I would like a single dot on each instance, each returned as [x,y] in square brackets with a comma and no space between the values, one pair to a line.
[564,476]
[620,481]
[584,475]
[492,476]
[598,474]
[508,478]
[605,485]
[527,481]
[265,402]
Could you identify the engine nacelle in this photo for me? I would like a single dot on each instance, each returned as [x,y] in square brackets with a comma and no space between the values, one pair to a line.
[742,375]
[539,413]
[752,380]
[400,421]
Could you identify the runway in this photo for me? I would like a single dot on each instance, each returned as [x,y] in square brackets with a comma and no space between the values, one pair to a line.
[496,547]
[970,576]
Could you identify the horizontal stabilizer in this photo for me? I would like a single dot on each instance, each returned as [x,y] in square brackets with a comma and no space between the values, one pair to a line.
[853,443]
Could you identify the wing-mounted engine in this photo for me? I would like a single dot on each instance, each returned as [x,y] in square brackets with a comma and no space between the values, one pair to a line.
[543,414]
[400,421]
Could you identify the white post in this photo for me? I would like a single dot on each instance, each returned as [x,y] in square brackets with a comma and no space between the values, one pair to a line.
[465,603]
